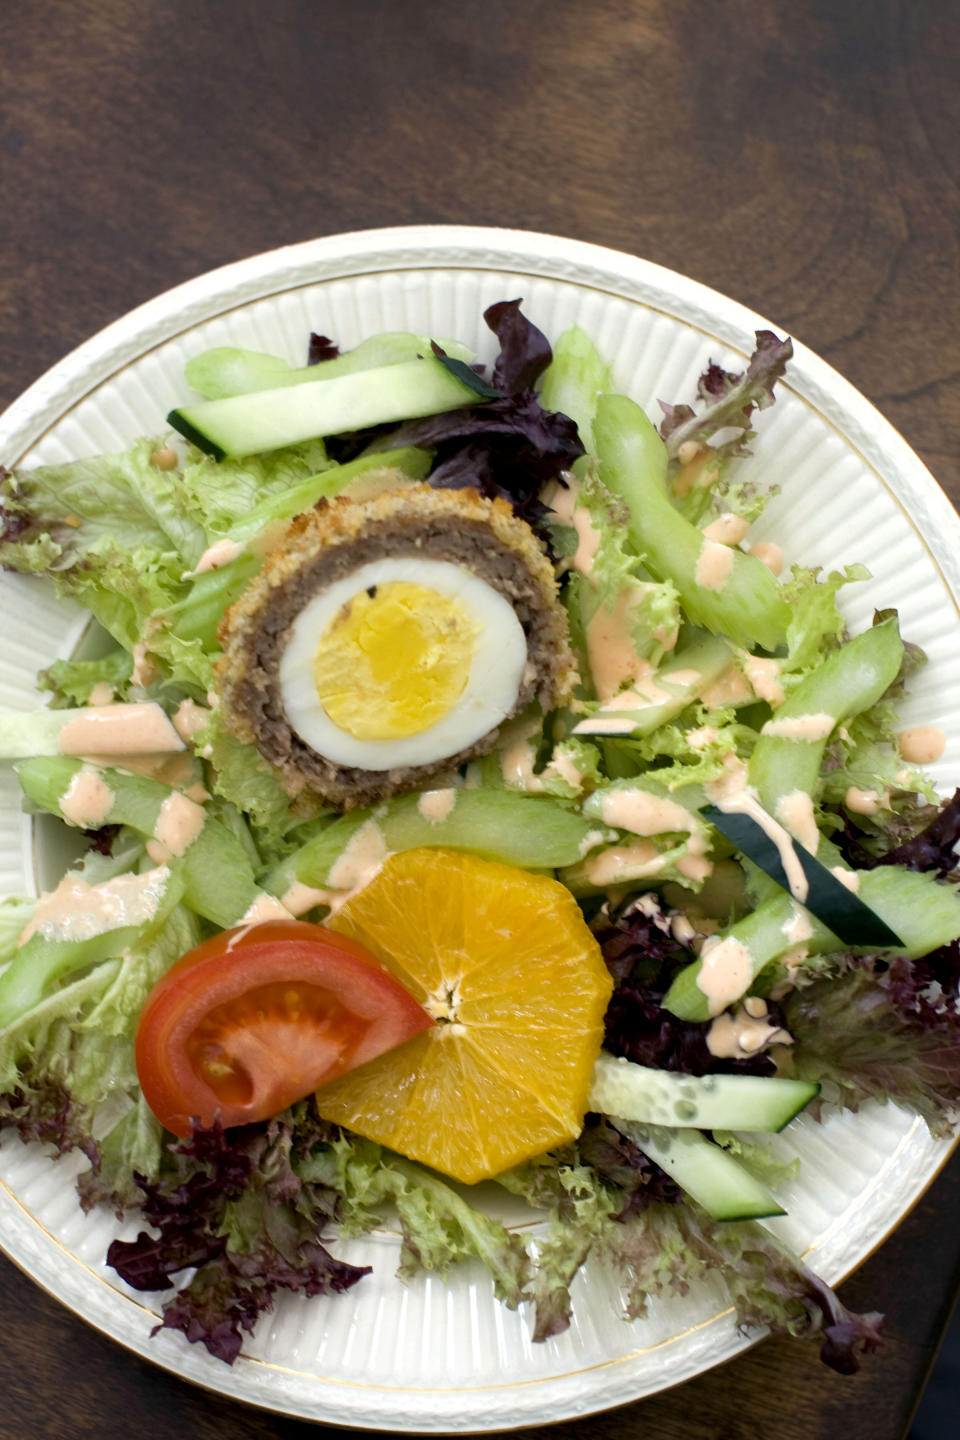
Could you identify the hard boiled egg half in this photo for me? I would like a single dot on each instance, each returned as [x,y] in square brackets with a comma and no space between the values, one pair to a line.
[405,661]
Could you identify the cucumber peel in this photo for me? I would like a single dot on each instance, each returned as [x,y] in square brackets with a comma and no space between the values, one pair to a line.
[708,1174]
[239,425]
[703,1102]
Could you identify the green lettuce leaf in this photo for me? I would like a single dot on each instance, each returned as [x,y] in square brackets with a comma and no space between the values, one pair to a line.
[223,491]
[816,624]
[97,507]
[71,681]
[438,1226]
[239,774]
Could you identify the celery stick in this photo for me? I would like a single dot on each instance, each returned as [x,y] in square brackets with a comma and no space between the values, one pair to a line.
[747,605]
[531,832]
[43,960]
[25,733]
[847,682]
[39,963]
[682,678]
[921,910]
[765,934]
[219,877]
[228,370]
[574,380]
[15,914]
[409,461]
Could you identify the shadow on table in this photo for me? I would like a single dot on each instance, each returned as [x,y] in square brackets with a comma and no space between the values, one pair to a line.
[938,1414]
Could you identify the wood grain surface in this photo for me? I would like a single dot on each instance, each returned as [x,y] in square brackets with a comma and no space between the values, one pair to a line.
[802,158]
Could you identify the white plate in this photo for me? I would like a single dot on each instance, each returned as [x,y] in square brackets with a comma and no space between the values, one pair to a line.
[429,1357]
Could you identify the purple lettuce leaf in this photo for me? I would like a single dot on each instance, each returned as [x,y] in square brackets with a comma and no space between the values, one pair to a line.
[664,1249]
[321,347]
[643,957]
[726,400]
[233,1206]
[934,848]
[49,1114]
[621,1163]
[525,351]
[884,1032]
[507,447]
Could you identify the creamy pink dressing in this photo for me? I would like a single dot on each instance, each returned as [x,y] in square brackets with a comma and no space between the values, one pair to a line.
[516,766]
[694,867]
[87,800]
[727,529]
[101,693]
[189,718]
[300,898]
[698,470]
[688,451]
[563,766]
[921,744]
[703,736]
[78,911]
[850,878]
[623,862]
[565,504]
[164,458]
[220,553]
[764,676]
[864,802]
[795,810]
[601,724]
[265,907]
[174,770]
[810,728]
[799,927]
[119,730]
[731,687]
[178,824]
[726,970]
[611,651]
[683,678]
[768,554]
[436,805]
[362,858]
[681,928]
[714,564]
[731,794]
[745,1032]
[643,813]
[144,668]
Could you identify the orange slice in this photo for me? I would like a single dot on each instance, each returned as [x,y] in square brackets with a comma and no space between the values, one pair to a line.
[506,964]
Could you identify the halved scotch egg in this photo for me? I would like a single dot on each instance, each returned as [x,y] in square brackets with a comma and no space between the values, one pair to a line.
[387,640]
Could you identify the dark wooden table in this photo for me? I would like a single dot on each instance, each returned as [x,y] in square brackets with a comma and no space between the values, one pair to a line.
[802,158]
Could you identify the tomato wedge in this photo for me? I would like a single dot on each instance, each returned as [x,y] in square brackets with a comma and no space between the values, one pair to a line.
[260,1016]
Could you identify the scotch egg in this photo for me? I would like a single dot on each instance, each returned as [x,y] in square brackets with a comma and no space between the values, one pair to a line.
[387,641]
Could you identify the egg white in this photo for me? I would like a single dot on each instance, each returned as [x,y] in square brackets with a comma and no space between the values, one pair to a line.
[490,695]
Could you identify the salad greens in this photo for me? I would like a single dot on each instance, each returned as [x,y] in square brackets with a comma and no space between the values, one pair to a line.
[717,704]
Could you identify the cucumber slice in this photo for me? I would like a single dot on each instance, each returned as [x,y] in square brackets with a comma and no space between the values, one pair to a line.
[708,1174]
[702,1102]
[268,419]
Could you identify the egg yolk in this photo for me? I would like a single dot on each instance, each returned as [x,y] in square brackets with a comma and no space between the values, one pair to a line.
[394,660]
